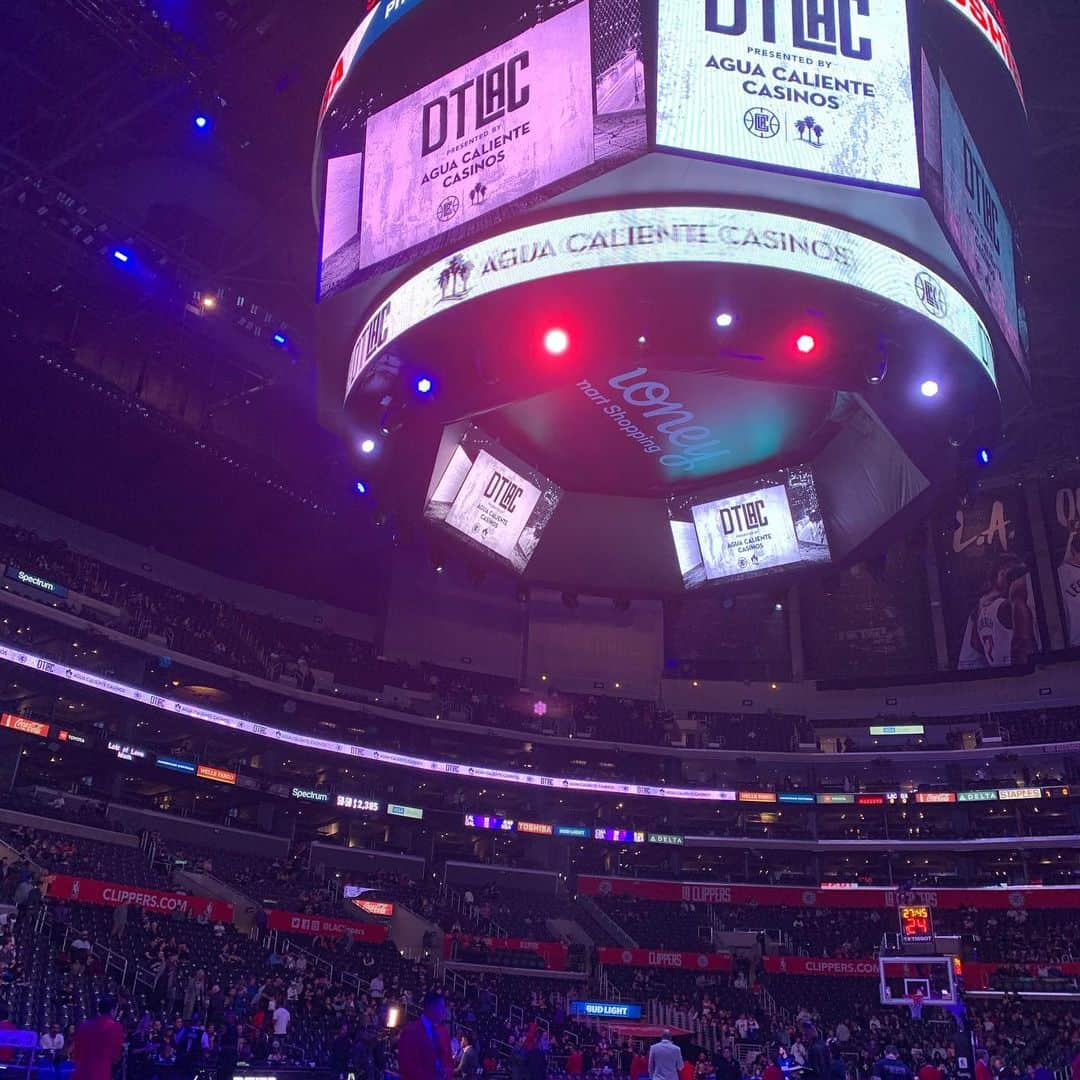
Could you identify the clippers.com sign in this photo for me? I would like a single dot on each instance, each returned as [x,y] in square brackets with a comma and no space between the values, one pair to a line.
[113,894]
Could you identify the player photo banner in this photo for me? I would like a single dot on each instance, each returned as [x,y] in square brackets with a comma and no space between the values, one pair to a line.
[987,589]
[1061,503]
[475,119]
[819,86]
[872,619]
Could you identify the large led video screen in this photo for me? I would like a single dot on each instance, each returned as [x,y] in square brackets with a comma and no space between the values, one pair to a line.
[443,125]
[961,190]
[819,86]
[761,528]
[488,497]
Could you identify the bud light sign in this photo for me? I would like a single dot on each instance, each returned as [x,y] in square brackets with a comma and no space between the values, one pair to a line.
[818,86]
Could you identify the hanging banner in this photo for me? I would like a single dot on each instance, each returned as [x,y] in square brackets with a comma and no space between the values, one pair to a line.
[1061,507]
[820,965]
[699,892]
[987,563]
[871,620]
[112,894]
[664,958]
[555,953]
[790,86]
[293,922]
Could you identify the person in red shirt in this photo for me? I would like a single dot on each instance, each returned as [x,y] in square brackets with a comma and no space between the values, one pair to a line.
[687,1071]
[99,1044]
[772,1071]
[639,1066]
[982,1065]
[575,1064]
[424,1046]
[929,1071]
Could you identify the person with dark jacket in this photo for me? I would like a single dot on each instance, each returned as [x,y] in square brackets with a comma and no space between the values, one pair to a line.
[818,1058]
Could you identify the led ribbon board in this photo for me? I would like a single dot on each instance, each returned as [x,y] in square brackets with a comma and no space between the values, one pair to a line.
[331,746]
[672,234]
[980,15]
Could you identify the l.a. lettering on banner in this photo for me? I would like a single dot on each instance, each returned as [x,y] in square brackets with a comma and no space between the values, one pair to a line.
[988,592]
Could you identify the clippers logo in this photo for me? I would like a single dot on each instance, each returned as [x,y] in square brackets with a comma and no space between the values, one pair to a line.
[743,517]
[931,294]
[374,335]
[823,26]
[502,491]
[496,93]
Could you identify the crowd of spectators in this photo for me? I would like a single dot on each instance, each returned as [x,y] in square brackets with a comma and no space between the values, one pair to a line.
[318,660]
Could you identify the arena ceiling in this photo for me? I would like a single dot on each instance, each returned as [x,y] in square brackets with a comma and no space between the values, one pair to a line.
[97,140]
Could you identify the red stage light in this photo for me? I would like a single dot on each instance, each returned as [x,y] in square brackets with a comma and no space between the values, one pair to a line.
[556,341]
[806,344]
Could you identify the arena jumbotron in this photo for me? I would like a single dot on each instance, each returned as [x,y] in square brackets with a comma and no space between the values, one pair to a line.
[728,278]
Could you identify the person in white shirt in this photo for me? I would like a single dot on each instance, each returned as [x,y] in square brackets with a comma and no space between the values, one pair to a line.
[282,1016]
[52,1041]
[377,986]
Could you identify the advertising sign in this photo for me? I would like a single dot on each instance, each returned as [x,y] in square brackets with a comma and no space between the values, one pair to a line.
[489,498]
[1061,504]
[111,894]
[763,529]
[703,892]
[671,234]
[27,727]
[819,87]
[985,17]
[474,119]
[293,922]
[24,577]
[963,194]
[664,958]
[987,559]
[811,965]
[608,1010]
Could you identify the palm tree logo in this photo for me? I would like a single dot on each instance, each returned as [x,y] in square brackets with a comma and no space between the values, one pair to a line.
[454,278]
[810,131]
[478,193]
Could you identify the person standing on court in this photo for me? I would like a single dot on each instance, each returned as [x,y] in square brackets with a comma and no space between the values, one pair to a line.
[424,1046]
[665,1059]
[99,1044]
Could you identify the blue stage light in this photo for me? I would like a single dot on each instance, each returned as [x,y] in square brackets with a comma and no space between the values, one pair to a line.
[983,456]
[424,385]
[361,487]
[120,255]
[929,388]
[202,122]
[280,338]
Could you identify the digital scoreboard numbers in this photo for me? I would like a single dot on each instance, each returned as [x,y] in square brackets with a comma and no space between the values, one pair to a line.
[916,926]
[819,86]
